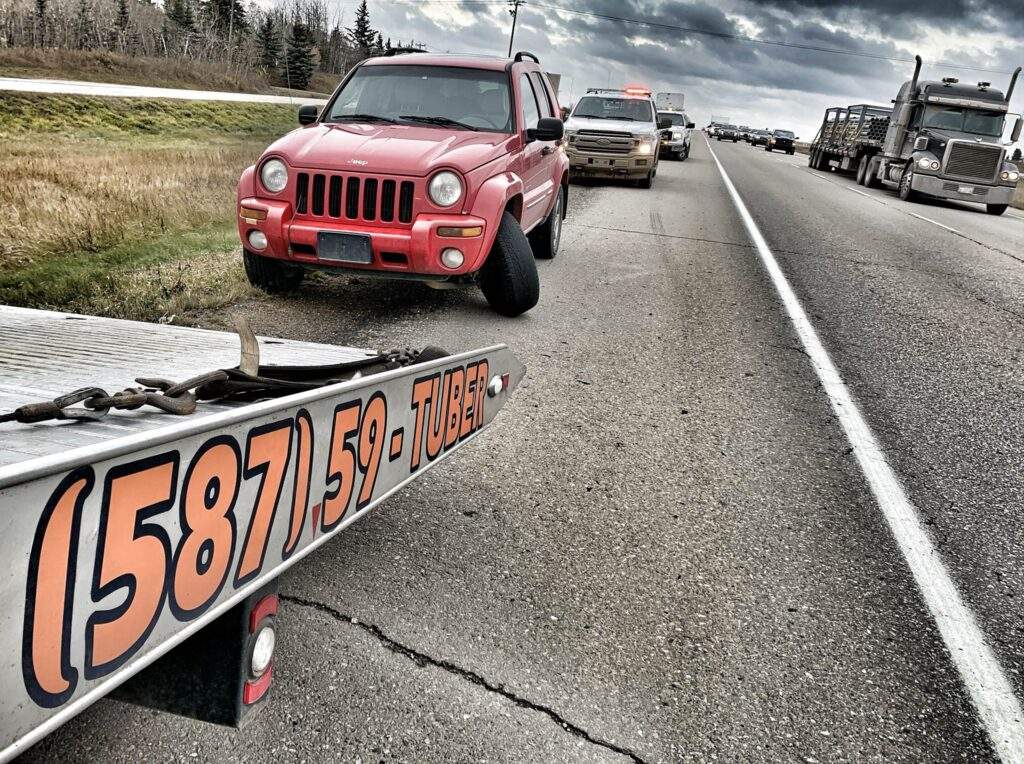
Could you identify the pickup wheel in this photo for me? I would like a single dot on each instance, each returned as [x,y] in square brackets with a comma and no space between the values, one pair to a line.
[996,209]
[906,190]
[270,274]
[509,278]
[768,149]
[647,181]
[545,238]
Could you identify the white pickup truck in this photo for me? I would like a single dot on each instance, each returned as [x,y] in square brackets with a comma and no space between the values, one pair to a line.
[143,531]
[675,139]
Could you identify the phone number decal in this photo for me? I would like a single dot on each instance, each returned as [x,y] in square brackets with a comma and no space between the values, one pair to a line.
[169,534]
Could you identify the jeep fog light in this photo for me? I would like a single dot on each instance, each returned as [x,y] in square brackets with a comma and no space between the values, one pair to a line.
[257,240]
[452,258]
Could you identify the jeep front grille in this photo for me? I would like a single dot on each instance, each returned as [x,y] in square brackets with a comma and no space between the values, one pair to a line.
[976,161]
[354,197]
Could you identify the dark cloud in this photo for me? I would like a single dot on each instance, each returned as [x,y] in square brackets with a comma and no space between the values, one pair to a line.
[755,83]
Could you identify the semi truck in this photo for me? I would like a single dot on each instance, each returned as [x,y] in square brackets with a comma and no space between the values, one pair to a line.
[939,138]
[144,529]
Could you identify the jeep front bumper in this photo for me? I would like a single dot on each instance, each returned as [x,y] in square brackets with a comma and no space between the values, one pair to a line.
[409,250]
[962,190]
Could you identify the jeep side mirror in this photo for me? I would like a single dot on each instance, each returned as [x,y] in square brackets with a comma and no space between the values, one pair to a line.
[690,125]
[664,123]
[1015,134]
[547,129]
[307,114]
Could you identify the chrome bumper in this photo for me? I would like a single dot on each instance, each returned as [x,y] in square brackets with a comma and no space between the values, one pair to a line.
[944,188]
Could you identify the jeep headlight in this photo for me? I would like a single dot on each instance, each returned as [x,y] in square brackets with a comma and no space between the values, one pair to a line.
[445,189]
[1009,175]
[274,175]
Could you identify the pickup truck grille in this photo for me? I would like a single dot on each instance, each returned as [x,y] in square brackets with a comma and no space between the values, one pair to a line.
[354,197]
[601,142]
[973,160]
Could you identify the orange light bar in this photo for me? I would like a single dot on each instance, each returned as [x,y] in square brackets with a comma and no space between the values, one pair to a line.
[638,91]
[250,213]
[459,233]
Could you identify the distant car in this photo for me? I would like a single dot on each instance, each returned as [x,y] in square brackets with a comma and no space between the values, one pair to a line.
[760,137]
[727,133]
[781,140]
[675,141]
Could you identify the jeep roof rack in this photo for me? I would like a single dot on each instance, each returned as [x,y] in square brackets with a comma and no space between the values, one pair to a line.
[524,54]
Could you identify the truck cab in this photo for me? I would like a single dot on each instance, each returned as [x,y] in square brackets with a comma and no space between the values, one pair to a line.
[945,140]
[615,133]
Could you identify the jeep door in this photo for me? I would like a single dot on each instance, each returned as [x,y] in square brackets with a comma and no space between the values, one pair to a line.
[537,156]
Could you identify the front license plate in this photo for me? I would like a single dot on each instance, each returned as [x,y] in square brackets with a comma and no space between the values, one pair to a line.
[344,247]
[966,189]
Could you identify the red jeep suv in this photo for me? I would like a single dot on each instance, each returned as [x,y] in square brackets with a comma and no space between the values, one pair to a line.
[443,169]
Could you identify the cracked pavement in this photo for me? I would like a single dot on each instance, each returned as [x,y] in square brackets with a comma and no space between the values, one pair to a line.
[663,549]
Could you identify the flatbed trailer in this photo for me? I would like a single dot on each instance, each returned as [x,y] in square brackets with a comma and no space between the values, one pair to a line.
[849,137]
[141,549]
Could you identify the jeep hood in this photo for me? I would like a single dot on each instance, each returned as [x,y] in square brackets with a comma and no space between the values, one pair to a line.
[388,149]
[611,125]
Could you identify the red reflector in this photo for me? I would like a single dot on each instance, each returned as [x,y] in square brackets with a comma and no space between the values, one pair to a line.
[254,690]
[265,608]
[504,381]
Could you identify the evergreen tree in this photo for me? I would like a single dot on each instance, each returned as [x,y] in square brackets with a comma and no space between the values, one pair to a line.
[387,46]
[181,13]
[83,26]
[123,18]
[298,68]
[227,16]
[268,42]
[40,22]
[378,44]
[362,34]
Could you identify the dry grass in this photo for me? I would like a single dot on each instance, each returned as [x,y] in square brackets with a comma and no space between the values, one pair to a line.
[124,207]
[101,66]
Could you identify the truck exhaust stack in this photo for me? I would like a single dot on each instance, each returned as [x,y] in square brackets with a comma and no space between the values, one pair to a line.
[1013,82]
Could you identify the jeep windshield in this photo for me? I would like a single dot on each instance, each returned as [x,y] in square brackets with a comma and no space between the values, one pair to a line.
[964,120]
[600,107]
[676,119]
[445,97]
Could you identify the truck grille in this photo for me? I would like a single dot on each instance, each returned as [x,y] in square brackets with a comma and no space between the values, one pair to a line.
[973,160]
[354,197]
[601,142]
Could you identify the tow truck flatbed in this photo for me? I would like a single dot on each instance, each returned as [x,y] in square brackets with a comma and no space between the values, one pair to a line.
[123,537]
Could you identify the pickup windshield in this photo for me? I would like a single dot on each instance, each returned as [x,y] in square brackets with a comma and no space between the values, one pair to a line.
[445,97]
[964,120]
[783,134]
[677,120]
[629,109]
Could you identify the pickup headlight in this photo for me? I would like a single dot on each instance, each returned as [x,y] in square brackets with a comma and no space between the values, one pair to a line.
[927,164]
[445,189]
[677,136]
[646,145]
[1009,175]
[274,175]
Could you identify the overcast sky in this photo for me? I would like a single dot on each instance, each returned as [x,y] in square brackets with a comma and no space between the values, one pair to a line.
[750,83]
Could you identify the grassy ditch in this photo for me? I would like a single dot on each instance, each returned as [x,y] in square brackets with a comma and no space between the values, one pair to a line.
[124,206]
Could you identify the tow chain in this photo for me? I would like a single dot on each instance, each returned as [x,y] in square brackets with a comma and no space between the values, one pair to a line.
[180,398]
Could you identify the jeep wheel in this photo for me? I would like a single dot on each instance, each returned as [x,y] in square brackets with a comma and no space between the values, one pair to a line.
[906,190]
[270,274]
[544,239]
[996,209]
[509,278]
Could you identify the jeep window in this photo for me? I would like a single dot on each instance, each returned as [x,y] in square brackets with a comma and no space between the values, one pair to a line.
[630,109]
[531,114]
[542,95]
[444,96]
[964,120]
[677,120]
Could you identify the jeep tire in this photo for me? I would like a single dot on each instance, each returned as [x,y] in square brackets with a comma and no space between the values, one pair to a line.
[270,274]
[545,238]
[509,277]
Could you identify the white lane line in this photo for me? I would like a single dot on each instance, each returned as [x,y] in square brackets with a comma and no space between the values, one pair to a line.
[989,689]
[936,222]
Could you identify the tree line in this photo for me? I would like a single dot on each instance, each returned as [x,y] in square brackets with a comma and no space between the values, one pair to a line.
[287,43]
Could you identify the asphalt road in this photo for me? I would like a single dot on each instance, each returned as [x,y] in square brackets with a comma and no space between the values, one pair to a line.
[663,550]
